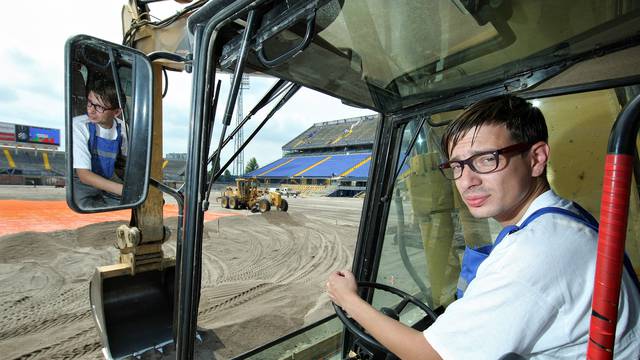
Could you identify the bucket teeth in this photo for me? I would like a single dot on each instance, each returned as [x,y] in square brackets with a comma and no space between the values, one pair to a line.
[198,337]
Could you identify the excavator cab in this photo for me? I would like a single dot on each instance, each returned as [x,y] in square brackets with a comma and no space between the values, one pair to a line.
[419,64]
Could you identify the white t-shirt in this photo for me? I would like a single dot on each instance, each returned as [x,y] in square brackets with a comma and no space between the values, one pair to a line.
[81,152]
[532,296]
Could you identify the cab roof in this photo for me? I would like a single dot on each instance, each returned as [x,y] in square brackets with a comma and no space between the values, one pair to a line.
[390,55]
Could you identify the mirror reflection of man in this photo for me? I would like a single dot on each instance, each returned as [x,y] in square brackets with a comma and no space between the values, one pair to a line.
[530,297]
[99,147]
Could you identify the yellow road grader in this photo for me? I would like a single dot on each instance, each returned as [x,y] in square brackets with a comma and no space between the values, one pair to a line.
[248,195]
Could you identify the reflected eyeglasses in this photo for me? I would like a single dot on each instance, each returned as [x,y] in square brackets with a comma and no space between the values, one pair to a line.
[99,108]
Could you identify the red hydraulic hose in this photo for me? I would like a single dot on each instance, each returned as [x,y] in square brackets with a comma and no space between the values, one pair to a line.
[613,228]
[614,210]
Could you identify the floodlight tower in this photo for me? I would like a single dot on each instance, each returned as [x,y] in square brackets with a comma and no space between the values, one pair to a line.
[238,164]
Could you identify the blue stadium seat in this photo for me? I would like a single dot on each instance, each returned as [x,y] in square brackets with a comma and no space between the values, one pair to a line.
[336,165]
[360,173]
[268,167]
[295,166]
[326,166]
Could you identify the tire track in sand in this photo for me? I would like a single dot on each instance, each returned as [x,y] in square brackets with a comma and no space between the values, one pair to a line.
[277,256]
[256,259]
[76,346]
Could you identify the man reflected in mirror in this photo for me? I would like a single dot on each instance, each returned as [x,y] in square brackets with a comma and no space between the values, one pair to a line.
[99,148]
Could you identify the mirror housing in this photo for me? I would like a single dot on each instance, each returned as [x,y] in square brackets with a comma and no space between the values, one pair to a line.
[109,117]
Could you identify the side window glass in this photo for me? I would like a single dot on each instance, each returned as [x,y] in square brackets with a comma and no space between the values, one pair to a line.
[428,226]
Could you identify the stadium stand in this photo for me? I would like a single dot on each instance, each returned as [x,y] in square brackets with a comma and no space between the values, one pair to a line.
[32,166]
[173,170]
[330,158]
[28,166]
[360,172]
[337,165]
[325,166]
[263,171]
[57,161]
[290,168]
[335,135]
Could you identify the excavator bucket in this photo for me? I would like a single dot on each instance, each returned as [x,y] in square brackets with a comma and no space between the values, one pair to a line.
[133,313]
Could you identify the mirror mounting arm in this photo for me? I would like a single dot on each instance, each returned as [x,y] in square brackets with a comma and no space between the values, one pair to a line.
[187,60]
[179,197]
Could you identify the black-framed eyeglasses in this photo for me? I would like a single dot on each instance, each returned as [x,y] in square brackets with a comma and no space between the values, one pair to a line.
[482,163]
[98,108]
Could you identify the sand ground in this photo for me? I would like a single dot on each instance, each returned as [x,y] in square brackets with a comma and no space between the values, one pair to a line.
[263,277]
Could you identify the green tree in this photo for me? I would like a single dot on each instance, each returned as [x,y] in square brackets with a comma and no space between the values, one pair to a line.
[227,175]
[251,165]
[213,171]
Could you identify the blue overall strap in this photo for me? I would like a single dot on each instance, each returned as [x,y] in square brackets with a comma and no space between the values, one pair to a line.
[104,151]
[472,258]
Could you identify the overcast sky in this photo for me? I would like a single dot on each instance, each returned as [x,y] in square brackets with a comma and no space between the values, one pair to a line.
[32,82]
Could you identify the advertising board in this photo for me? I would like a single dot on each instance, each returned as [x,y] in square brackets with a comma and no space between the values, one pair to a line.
[37,135]
[47,136]
[7,132]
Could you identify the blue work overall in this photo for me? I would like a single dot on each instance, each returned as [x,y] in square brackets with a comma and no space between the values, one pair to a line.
[472,258]
[104,152]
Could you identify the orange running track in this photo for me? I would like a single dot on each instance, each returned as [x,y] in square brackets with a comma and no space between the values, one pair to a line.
[44,216]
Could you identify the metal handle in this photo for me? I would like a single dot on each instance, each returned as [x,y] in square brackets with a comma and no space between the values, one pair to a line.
[308,36]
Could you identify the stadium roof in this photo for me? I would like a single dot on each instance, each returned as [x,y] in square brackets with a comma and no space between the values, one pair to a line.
[336,134]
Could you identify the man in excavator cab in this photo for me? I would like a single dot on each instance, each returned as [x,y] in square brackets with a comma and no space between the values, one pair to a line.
[527,289]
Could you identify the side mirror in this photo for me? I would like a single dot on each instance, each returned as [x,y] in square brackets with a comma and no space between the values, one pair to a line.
[109,110]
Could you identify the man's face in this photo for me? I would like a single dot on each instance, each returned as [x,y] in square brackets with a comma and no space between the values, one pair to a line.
[502,194]
[95,104]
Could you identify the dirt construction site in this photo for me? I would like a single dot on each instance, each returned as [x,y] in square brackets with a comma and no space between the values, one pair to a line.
[263,274]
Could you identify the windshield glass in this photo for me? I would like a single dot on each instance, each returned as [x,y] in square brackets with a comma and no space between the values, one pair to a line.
[427,227]
[390,55]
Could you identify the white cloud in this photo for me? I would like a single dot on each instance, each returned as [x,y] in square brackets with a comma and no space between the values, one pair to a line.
[32,59]
[32,54]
